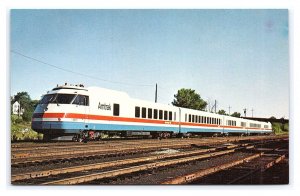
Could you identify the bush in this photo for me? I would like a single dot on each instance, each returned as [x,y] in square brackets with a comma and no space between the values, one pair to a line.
[286,127]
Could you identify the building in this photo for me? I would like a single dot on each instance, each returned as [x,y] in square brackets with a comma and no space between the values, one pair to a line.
[17,109]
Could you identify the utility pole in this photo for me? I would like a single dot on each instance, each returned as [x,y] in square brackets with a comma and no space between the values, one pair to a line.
[245,111]
[229,110]
[215,106]
[156,93]
[252,112]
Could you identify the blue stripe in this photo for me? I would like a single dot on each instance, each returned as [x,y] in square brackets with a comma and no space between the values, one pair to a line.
[75,127]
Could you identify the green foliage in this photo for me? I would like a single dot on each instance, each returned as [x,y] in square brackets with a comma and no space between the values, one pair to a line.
[286,127]
[236,114]
[26,103]
[27,115]
[188,98]
[279,128]
[222,112]
[23,131]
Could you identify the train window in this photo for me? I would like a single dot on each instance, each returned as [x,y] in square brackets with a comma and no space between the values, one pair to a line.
[170,116]
[266,126]
[63,98]
[143,112]
[243,124]
[160,114]
[190,118]
[137,112]
[201,119]
[47,99]
[165,115]
[116,109]
[193,118]
[155,113]
[174,116]
[81,100]
[185,118]
[204,119]
[150,113]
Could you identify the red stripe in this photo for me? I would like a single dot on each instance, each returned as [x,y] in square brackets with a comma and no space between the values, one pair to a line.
[125,119]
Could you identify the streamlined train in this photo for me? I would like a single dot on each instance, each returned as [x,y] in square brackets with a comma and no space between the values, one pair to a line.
[86,113]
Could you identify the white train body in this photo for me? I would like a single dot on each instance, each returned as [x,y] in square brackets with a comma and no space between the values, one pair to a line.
[68,110]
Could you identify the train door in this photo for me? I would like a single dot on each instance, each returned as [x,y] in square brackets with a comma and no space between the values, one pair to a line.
[81,103]
[86,112]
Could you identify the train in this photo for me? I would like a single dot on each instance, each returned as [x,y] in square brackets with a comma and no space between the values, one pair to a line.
[84,113]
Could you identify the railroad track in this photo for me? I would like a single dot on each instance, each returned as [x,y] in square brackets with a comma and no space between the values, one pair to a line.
[35,156]
[16,147]
[127,168]
[145,161]
[124,169]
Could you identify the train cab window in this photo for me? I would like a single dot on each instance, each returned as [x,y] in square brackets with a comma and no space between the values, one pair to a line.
[63,98]
[170,116]
[137,112]
[165,115]
[143,112]
[155,113]
[150,113]
[116,109]
[160,114]
[81,100]
[47,99]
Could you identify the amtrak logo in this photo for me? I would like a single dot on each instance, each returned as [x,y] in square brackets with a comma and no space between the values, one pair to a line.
[104,106]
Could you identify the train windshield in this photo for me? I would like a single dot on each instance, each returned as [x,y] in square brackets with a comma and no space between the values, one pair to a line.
[57,98]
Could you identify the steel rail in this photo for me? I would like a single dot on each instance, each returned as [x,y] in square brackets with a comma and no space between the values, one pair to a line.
[70,150]
[266,166]
[98,152]
[204,172]
[19,147]
[117,172]
[103,165]
[103,152]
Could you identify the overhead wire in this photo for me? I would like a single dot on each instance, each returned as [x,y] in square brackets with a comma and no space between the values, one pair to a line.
[73,72]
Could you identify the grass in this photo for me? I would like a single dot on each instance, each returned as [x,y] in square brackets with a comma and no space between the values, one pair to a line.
[21,131]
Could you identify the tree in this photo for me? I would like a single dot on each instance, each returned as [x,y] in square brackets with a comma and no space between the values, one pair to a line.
[188,98]
[222,112]
[26,103]
[236,114]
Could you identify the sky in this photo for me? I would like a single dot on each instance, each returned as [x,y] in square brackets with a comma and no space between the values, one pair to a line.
[238,57]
